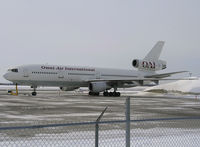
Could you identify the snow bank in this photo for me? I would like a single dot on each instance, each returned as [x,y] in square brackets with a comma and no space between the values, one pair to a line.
[184,86]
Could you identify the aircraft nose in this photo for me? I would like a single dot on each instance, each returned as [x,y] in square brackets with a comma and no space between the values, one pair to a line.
[6,76]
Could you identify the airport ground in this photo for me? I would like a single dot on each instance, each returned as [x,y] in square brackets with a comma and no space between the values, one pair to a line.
[77,107]
[53,107]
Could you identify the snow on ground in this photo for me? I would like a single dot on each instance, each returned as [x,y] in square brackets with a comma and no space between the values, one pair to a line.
[139,137]
[155,137]
[184,86]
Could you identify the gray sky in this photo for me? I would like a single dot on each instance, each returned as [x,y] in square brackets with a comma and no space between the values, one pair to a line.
[102,33]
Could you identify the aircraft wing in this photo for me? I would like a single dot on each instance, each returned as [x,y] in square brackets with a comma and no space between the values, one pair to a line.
[164,75]
[155,77]
[136,79]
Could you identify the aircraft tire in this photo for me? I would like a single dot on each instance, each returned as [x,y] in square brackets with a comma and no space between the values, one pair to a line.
[111,94]
[34,93]
[90,93]
[94,93]
[118,94]
[105,94]
[115,94]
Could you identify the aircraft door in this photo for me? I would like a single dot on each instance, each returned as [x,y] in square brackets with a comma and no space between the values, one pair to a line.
[25,72]
[98,75]
[61,75]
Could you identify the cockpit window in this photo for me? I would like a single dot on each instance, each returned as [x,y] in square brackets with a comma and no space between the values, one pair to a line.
[14,70]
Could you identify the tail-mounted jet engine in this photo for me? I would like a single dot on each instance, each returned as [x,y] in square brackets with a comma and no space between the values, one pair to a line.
[149,65]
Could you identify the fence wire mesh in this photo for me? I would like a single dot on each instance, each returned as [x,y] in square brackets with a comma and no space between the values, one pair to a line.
[151,132]
[149,125]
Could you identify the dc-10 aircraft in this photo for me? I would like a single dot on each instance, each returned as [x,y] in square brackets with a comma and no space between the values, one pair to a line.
[98,80]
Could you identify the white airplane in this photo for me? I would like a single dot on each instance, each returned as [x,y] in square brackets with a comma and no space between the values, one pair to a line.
[98,80]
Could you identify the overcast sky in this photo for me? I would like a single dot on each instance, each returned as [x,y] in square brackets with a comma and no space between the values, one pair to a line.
[101,33]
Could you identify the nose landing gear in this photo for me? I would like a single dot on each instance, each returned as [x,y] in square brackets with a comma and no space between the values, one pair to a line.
[34,93]
[16,93]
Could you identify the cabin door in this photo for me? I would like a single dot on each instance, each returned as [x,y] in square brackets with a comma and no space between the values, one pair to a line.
[61,75]
[25,73]
[98,75]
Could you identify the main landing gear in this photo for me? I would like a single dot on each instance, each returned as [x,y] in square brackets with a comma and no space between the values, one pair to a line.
[106,94]
[113,94]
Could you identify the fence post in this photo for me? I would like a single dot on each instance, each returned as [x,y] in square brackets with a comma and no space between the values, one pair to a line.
[97,128]
[128,122]
[96,135]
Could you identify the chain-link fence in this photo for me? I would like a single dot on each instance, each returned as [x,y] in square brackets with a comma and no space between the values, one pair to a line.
[152,132]
[181,131]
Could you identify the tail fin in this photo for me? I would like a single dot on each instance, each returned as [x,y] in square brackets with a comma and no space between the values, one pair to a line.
[154,54]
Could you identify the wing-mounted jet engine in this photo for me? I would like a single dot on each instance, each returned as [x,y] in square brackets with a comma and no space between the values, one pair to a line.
[96,87]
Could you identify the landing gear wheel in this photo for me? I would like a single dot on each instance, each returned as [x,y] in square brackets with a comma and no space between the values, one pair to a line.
[111,94]
[90,93]
[117,94]
[106,94]
[94,93]
[34,93]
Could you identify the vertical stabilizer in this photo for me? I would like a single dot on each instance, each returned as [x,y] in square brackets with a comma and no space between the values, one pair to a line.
[154,54]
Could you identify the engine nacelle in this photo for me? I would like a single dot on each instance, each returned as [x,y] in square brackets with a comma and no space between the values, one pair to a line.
[149,65]
[69,88]
[98,86]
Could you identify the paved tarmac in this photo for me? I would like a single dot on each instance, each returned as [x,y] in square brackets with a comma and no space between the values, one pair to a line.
[54,108]
[78,107]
